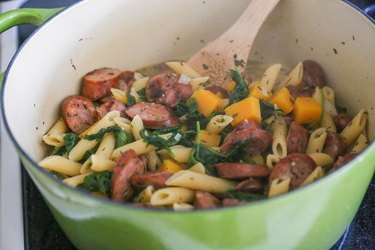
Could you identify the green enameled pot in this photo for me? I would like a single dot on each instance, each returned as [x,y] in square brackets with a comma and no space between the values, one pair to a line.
[130,34]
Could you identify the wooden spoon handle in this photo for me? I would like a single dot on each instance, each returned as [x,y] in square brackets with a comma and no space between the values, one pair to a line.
[232,48]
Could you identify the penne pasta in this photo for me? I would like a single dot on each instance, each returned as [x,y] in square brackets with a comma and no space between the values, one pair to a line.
[76,180]
[137,125]
[123,123]
[316,174]
[218,123]
[81,148]
[199,82]
[105,122]
[271,160]
[269,77]
[140,147]
[145,196]
[106,146]
[321,159]
[119,95]
[197,181]
[183,68]
[180,153]
[99,164]
[360,144]
[316,141]
[329,94]
[153,161]
[182,207]
[58,128]
[56,140]
[351,132]
[293,78]
[61,165]
[140,83]
[171,195]
[279,186]
[198,168]
[258,159]
[327,122]
[279,133]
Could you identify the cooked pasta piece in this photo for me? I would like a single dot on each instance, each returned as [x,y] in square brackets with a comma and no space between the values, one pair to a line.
[316,174]
[223,104]
[153,160]
[58,128]
[271,160]
[327,122]
[105,122]
[279,132]
[218,123]
[76,180]
[269,77]
[119,95]
[293,78]
[99,164]
[140,83]
[171,195]
[134,93]
[140,147]
[106,146]
[321,159]
[61,165]
[199,82]
[198,168]
[360,144]
[183,68]
[318,96]
[182,207]
[258,159]
[316,141]
[180,153]
[123,123]
[81,148]
[145,196]
[137,126]
[329,94]
[56,140]
[330,108]
[279,186]
[197,181]
[351,132]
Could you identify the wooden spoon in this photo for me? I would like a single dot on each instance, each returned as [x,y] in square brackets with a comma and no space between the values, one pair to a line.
[232,48]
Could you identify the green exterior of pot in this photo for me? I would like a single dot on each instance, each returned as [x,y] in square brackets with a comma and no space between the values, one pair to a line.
[300,220]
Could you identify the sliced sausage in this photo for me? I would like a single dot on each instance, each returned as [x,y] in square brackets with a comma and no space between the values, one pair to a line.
[205,200]
[127,165]
[155,179]
[341,120]
[250,136]
[125,80]
[342,160]
[229,202]
[334,145]
[218,90]
[98,83]
[297,138]
[238,171]
[313,74]
[153,115]
[296,166]
[78,113]
[106,107]
[186,90]
[251,185]
[300,91]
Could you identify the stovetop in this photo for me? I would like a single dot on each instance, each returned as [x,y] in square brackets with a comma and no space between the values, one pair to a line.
[42,232]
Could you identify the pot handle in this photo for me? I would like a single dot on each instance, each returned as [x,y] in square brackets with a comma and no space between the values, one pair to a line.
[24,16]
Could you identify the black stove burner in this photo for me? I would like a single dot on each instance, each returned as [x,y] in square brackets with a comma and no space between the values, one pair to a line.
[42,231]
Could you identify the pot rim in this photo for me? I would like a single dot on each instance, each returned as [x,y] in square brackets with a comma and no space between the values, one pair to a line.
[107,202]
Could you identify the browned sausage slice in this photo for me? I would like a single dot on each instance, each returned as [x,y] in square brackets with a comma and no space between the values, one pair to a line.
[229,202]
[342,160]
[153,115]
[106,107]
[300,91]
[205,200]
[254,139]
[155,179]
[334,145]
[127,165]
[237,171]
[297,138]
[251,185]
[313,74]
[341,120]
[296,166]
[98,83]
[125,80]
[78,113]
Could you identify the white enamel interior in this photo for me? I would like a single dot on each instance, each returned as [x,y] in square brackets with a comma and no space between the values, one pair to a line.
[130,34]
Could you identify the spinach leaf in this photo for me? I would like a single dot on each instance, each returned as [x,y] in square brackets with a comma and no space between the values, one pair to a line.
[70,140]
[267,109]
[122,137]
[243,196]
[241,91]
[142,95]
[98,182]
[130,100]
[87,155]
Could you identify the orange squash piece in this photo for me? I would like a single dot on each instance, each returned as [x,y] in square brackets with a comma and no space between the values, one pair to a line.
[207,101]
[283,100]
[246,109]
[229,86]
[170,166]
[209,139]
[257,92]
[306,110]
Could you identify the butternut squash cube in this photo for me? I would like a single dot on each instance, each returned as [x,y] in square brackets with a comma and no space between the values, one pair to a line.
[209,139]
[207,101]
[306,110]
[170,166]
[283,100]
[258,92]
[246,109]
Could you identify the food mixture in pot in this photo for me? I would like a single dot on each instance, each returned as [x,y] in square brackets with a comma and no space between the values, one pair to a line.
[171,139]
